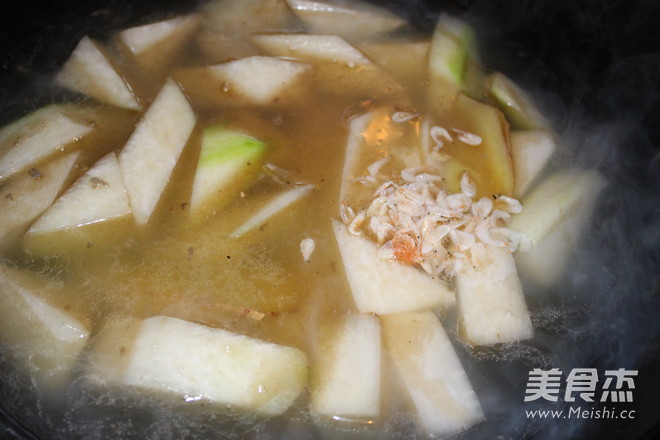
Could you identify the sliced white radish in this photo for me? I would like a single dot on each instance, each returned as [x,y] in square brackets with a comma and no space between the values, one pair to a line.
[198,362]
[337,64]
[555,199]
[530,151]
[554,216]
[152,151]
[352,155]
[353,20]
[243,17]
[260,79]
[25,197]
[49,338]
[404,60]
[34,137]
[97,196]
[431,371]
[491,303]
[227,23]
[156,45]
[89,71]
[347,380]
[274,206]
[225,162]
[329,48]
[383,287]
[373,138]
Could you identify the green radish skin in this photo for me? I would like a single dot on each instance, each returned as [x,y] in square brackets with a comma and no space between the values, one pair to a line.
[224,168]
[518,107]
[451,52]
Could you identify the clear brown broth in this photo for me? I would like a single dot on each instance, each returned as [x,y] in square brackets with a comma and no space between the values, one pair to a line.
[257,284]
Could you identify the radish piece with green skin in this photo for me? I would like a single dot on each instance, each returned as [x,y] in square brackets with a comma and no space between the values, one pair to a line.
[23,198]
[225,165]
[89,71]
[382,287]
[348,20]
[34,137]
[559,196]
[450,49]
[450,54]
[491,303]
[516,104]
[276,205]
[153,149]
[431,372]
[554,217]
[352,156]
[531,152]
[97,196]
[195,362]
[348,370]
[50,338]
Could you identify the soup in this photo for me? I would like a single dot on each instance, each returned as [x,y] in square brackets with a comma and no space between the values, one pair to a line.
[265,218]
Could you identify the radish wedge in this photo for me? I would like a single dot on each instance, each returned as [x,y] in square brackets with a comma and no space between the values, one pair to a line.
[451,51]
[260,79]
[433,375]
[555,214]
[555,199]
[348,380]
[252,81]
[198,362]
[337,64]
[34,137]
[328,48]
[354,20]
[383,287]
[375,136]
[273,207]
[50,338]
[530,151]
[488,159]
[156,45]
[23,198]
[404,60]
[515,103]
[227,23]
[152,151]
[225,163]
[97,196]
[89,71]
[353,155]
[491,304]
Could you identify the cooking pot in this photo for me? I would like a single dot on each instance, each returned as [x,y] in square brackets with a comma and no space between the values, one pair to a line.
[594,69]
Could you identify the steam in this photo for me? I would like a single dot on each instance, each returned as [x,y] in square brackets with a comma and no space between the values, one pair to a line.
[593,69]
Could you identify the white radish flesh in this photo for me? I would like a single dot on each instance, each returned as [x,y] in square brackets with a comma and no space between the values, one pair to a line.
[382,287]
